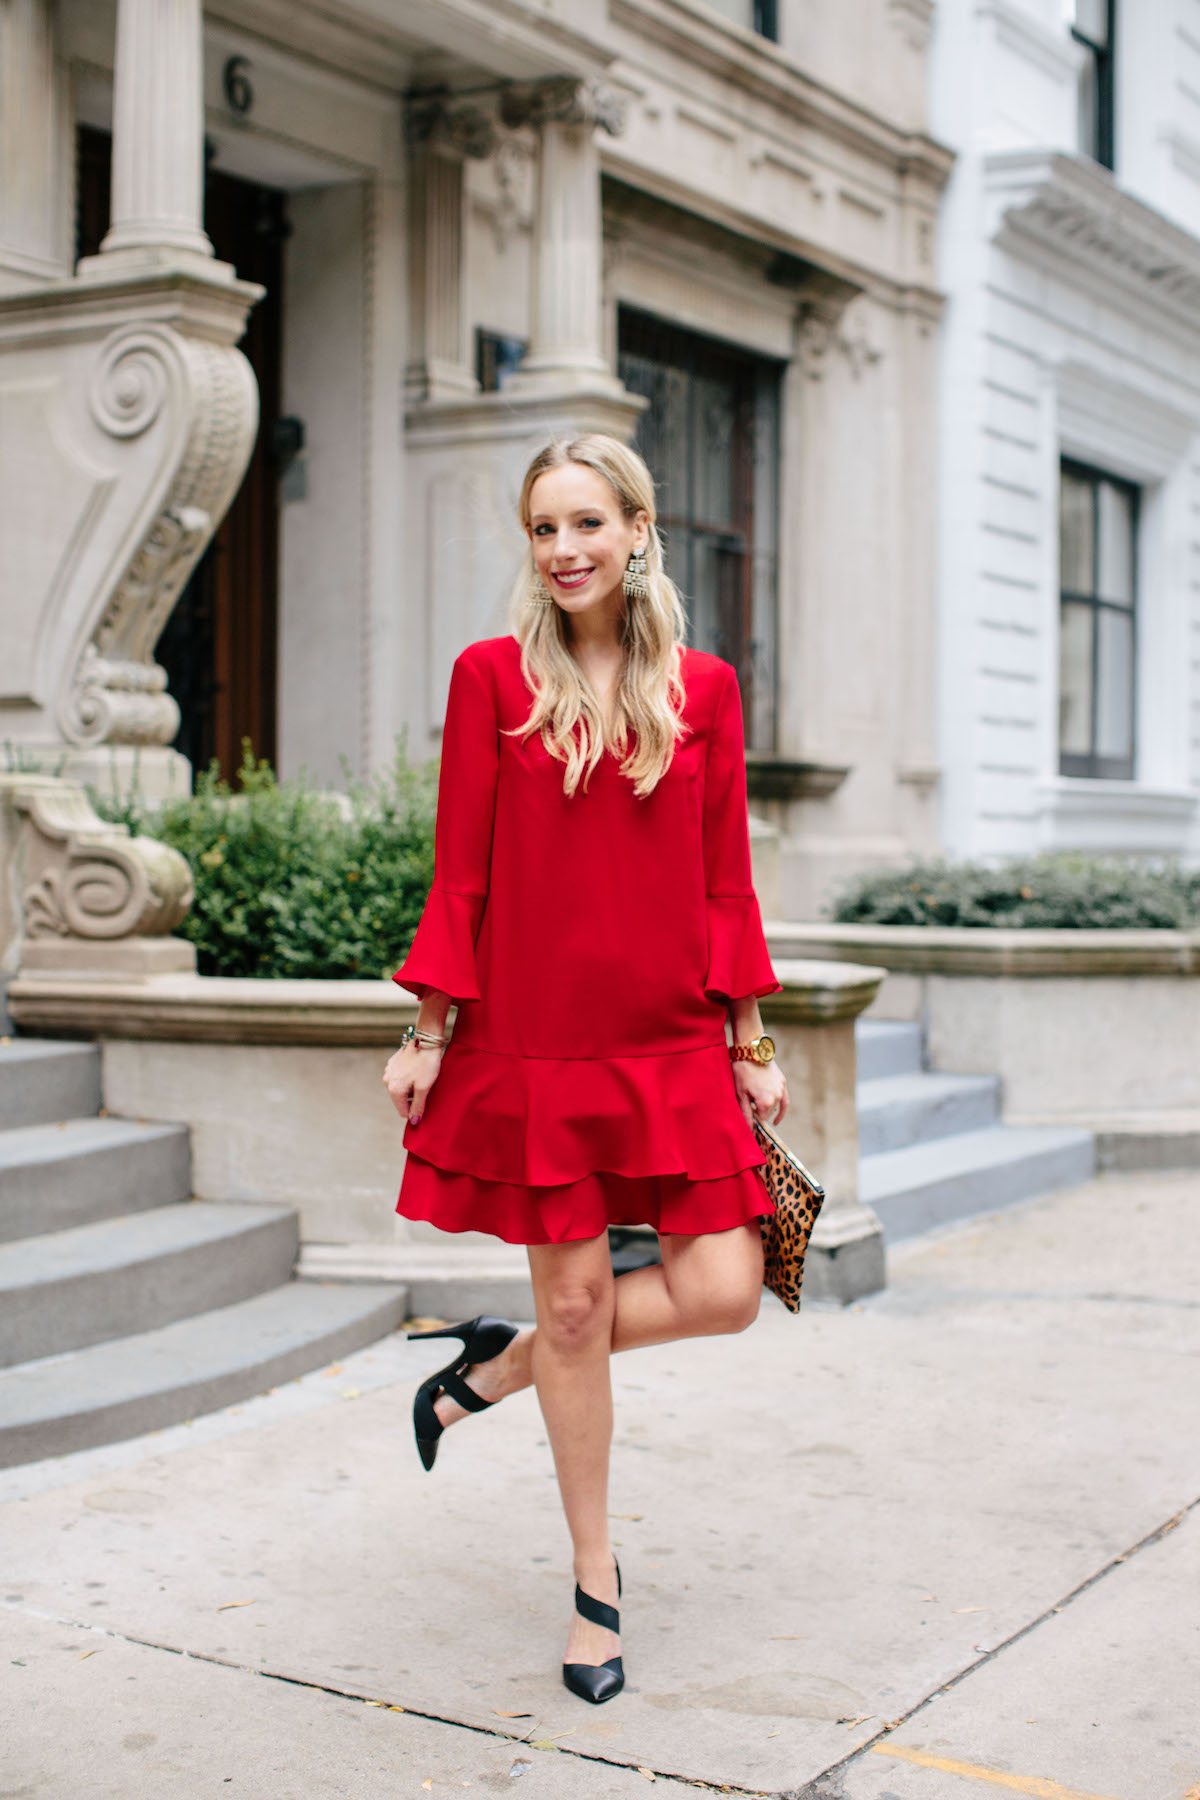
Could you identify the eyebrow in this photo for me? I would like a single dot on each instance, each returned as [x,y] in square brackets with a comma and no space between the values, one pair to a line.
[580,512]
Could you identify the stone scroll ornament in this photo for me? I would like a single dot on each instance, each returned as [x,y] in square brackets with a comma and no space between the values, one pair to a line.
[89,879]
[201,397]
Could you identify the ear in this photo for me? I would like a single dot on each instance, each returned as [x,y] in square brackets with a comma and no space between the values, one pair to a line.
[641,529]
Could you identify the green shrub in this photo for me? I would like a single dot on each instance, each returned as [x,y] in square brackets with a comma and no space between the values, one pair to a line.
[292,882]
[1064,892]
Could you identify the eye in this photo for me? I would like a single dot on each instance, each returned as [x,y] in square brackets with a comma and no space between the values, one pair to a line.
[541,530]
[592,522]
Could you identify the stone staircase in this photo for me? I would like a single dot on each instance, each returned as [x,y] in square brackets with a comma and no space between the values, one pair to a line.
[932,1147]
[97,1232]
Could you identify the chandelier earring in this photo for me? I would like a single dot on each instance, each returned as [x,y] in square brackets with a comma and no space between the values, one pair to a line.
[538,593]
[634,581]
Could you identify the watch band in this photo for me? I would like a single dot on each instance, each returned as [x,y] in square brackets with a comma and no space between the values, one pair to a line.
[759,1050]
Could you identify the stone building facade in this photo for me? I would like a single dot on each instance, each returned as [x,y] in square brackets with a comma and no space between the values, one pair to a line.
[1069,484]
[449,231]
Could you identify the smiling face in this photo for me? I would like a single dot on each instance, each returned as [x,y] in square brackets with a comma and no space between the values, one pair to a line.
[581,539]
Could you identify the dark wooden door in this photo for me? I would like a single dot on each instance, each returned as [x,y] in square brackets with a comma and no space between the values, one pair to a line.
[219,647]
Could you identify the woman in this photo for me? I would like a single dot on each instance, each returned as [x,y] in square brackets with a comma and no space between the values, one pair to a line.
[593,918]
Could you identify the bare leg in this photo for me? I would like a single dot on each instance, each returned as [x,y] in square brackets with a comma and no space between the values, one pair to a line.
[704,1286]
[573,1293]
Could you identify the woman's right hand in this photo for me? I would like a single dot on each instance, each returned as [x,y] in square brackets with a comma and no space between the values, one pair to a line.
[410,1074]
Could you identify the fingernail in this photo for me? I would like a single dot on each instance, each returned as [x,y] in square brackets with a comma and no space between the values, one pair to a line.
[414,1121]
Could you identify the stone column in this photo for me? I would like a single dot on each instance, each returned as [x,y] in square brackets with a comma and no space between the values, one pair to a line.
[34,147]
[812,1023]
[158,130]
[566,349]
[441,140]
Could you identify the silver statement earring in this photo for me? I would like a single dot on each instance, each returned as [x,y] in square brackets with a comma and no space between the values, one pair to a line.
[634,580]
[538,594]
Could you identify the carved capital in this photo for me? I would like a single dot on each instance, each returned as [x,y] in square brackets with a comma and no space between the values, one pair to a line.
[815,339]
[84,878]
[466,130]
[563,100]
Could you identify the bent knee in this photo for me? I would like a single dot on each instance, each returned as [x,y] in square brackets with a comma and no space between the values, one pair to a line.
[737,1312]
[573,1316]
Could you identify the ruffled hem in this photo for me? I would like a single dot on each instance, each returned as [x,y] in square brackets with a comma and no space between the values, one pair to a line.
[738,961]
[562,1213]
[536,1121]
[443,951]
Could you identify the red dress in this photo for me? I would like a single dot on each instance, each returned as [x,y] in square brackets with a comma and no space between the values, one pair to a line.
[592,944]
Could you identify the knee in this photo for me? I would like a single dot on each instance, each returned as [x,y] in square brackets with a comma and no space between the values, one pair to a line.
[736,1311]
[575,1315]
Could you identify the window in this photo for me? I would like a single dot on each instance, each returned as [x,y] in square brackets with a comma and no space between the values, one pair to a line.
[1093,26]
[1098,518]
[711,438]
[496,356]
[752,15]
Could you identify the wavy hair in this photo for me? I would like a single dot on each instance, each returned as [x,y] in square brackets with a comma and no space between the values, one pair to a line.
[649,696]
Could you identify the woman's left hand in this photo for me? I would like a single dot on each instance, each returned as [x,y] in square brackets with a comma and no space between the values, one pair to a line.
[761,1088]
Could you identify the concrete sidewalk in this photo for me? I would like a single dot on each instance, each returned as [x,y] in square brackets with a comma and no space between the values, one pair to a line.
[936,1544]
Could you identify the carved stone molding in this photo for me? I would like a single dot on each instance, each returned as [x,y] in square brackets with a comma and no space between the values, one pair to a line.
[1067,211]
[563,100]
[913,19]
[86,878]
[114,692]
[468,130]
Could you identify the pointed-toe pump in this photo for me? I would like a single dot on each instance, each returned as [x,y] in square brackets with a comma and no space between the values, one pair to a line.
[596,1682]
[481,1339]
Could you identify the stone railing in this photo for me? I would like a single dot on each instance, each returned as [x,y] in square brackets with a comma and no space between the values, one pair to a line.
[1092,1028]
[280,1084]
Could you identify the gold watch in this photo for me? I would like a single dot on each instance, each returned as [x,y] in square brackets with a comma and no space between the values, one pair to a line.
[759,1050]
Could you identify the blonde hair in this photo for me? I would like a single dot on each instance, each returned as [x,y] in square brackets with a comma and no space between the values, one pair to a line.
[649,694]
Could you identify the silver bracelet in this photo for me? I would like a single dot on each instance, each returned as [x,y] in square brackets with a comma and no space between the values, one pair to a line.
[425,1040]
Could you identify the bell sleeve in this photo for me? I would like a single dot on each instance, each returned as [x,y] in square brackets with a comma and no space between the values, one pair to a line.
[738,963]
[442,956]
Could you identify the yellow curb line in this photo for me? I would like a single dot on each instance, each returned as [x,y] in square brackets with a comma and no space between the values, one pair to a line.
[1022,1784]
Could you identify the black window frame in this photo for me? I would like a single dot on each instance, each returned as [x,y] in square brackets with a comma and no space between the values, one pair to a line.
[756,381]
[1103,58]
[1094,767]
[766,19]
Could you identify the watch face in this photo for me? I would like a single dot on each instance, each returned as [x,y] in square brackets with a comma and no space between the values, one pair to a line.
[765,1049]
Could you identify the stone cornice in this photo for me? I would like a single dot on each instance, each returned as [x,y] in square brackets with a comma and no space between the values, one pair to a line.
[1069,212]
[759,68]
[968,950]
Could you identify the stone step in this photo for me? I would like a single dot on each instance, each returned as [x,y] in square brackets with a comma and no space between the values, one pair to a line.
[898,1110]
[42,1080]
[887,1049]
[932,1184]
[67,1289]
[53,1177]
[136,1384]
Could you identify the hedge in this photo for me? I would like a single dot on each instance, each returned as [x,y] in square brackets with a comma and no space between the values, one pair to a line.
[1061,892]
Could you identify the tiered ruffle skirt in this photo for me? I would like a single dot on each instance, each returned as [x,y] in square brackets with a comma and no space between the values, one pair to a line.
[535,1150]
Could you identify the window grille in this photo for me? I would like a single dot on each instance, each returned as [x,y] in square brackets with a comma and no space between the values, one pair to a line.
[1098,524]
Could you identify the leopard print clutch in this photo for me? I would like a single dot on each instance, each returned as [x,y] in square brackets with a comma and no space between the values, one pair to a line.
[786,1233]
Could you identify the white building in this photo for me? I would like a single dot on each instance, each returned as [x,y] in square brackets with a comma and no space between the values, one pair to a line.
[1069,486]
[711,225]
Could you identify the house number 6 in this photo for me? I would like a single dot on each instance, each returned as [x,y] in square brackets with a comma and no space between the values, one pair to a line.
[235,80]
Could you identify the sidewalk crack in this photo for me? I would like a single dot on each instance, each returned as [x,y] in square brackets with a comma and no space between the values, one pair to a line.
[827,1786]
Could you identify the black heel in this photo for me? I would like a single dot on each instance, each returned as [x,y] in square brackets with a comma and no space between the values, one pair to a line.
[481,1339]
[596,1682]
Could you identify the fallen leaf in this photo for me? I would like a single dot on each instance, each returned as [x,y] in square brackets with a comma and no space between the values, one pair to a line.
[350,1393]
[634,1518]
[230,1604]
[861,1719]
[649,1774]
[790,1637]
[542,1744]
[396,1709]
[966,1609]
[504,1715]
[428,1784]
[772,1734]
[91,1652]
[334,1369]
